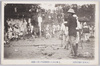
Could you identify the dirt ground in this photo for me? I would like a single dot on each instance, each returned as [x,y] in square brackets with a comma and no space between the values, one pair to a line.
[41,48]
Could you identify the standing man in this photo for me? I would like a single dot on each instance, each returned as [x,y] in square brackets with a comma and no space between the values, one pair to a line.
[39,23]
[86,31]
[64,30]
[72,24]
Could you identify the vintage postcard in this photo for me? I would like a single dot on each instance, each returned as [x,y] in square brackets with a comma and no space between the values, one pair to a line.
[50,32]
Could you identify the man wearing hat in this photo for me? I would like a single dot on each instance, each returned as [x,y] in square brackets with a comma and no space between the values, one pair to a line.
[72,24]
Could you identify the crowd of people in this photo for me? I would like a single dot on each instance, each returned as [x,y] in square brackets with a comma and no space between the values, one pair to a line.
[17,28]
[71,31]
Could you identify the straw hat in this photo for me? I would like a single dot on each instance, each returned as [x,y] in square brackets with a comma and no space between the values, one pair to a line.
[71,11]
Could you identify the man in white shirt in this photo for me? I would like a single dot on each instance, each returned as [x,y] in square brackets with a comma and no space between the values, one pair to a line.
[39,23]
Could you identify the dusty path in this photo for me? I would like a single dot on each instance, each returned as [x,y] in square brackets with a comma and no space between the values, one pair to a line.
[42,48]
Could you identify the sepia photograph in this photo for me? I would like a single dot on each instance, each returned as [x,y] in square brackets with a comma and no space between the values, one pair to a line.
[50,32]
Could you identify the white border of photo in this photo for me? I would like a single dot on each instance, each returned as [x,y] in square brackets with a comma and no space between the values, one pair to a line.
[58,62]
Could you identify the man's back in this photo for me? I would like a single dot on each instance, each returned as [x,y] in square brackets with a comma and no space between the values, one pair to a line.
[72,24]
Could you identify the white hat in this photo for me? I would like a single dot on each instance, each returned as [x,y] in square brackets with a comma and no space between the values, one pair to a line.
[71,11]
[85,23]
